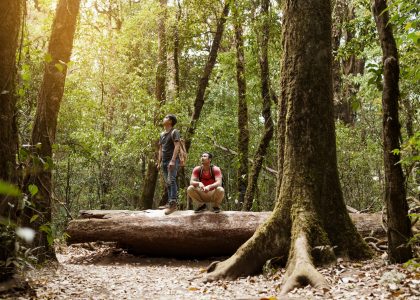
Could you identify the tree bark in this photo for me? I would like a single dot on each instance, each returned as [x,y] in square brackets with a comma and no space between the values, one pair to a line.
[149,188]
[205,77]
[310,210]
[149,183]
[160,89]
[266,111]
[399,226]
[11,15]
[186,234]
[173,84]
[352,66]
[243,130]
[43,133]
[339,11]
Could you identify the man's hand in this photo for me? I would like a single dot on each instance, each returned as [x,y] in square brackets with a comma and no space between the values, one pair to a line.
[201,186]
[171,165]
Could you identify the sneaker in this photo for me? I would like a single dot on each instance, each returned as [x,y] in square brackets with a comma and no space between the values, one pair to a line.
[200,208]
[216,209]
[171,208]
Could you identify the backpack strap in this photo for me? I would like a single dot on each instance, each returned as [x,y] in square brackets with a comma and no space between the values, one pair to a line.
[201,173]
[172,134]
[212,173]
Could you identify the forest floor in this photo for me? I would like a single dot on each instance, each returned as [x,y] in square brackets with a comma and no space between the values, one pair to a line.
[101,271]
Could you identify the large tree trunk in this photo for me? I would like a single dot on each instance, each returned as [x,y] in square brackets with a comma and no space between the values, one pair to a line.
[148,191]
[205,77]
[186,234]
[11,15]
[243,131]
[266,111]
[43,133]
[310,210]
[399,226]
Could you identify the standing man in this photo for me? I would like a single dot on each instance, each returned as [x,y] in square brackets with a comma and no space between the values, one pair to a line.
[206,185]
[168,159]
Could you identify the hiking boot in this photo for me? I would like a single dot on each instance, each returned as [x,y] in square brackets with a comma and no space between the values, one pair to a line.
[164,206]
[171,208]
[200,208]
[216,209]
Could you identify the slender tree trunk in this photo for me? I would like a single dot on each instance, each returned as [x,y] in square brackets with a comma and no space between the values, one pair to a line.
[43,133]
[266,112]
[339,11]
[310,211]
[10,16]
[148,191]
[205,77]
[399,226]
[344,93]
[243,130]
[177,50]
[344,110]
[173,84]
[160,89]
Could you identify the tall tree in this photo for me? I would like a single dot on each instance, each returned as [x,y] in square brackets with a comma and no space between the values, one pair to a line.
[205,77]
[243,130]
[44,129]
[399,226]
[345,92]
[173,79]
[310,210]
[266,111]
[10,14]
[148,192]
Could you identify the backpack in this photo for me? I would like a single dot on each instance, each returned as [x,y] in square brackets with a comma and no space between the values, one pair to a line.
[211,174]
[182,153]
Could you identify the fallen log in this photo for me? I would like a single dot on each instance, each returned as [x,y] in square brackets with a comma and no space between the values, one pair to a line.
[183,233]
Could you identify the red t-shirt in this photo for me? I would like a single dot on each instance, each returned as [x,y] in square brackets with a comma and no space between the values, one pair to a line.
[206,177]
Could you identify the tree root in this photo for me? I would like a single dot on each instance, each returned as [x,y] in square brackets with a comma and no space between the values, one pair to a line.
[252,255]
[300,270]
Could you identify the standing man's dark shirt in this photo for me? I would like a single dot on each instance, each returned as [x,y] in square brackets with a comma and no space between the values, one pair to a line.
[168,143]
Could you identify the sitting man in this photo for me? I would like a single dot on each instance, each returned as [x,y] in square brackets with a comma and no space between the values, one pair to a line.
[206,185]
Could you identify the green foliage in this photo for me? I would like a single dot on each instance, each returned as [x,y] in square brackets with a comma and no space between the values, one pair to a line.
[9,189]
[360,167]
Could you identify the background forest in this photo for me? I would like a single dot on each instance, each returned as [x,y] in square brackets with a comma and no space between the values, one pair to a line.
[110,116]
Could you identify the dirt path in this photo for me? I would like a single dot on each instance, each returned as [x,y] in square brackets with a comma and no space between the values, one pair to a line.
[104,272]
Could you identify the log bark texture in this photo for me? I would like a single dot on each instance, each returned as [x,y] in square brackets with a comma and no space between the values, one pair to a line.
[183,233]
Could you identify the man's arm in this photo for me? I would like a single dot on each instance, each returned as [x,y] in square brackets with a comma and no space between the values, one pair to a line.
[217,177]
[159,162]
[195,181]
[174,155]
[215,184]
